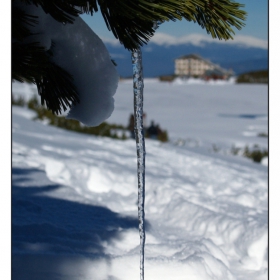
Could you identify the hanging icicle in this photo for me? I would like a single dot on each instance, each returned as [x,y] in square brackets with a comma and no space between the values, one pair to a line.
[138,86]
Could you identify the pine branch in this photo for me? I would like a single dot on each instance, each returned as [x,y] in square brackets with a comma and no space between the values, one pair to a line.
[57,94]
[20,23]
[32,63]
[132,22]
[217,17]
[60,10]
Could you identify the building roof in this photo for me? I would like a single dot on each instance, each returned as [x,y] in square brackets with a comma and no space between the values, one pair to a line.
[197,57]
[215,71]
[194,56]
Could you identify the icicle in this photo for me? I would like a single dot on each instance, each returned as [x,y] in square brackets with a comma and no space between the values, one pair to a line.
[138,86]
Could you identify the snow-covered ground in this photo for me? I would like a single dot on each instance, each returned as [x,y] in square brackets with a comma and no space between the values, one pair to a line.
[201,114]
[74,211]
[197,114]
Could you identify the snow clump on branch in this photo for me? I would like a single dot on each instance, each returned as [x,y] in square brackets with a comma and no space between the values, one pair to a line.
[79,51]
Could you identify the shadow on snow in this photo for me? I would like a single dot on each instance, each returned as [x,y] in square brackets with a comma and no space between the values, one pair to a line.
[44,227]
[243,116]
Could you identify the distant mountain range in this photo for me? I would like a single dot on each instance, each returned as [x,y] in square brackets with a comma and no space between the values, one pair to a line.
[158,59]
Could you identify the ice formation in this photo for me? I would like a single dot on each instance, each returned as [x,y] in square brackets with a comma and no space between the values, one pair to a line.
[138,86]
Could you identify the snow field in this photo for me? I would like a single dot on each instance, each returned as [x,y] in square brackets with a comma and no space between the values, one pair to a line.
[75,212]
[201,114]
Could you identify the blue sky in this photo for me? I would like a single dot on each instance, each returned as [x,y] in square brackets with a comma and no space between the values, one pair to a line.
[256,23]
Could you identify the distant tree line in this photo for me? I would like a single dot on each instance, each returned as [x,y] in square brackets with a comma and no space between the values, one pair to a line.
[254,77]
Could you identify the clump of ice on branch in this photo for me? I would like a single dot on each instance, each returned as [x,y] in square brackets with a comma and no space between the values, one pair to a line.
[82,54]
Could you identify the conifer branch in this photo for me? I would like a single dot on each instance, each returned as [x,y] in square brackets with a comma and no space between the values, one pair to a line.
[132,21]
[32,63]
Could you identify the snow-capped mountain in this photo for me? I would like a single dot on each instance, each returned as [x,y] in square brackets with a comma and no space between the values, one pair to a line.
[159,55]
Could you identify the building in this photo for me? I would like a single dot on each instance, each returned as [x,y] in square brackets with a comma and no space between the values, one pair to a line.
[195,66]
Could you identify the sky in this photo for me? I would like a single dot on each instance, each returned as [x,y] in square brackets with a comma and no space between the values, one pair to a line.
[256,23]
